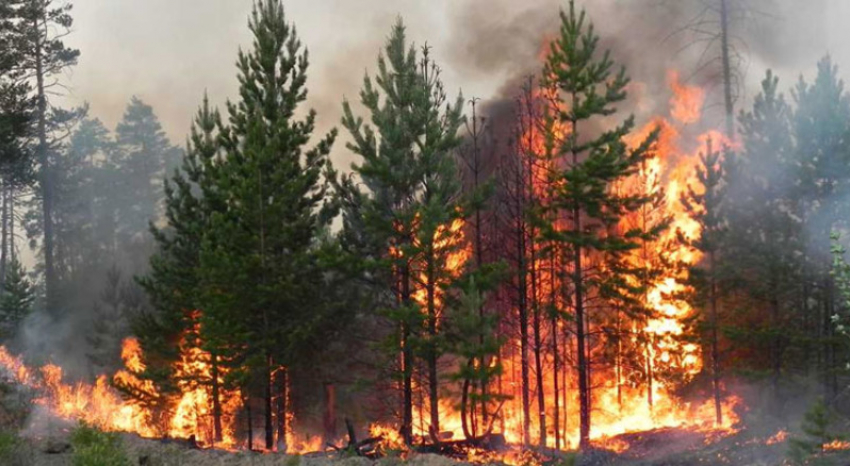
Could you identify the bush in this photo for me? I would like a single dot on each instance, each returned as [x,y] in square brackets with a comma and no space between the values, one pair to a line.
[8,445]
[95,448]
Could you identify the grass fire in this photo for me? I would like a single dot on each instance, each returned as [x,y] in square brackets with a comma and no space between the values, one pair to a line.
[561,233]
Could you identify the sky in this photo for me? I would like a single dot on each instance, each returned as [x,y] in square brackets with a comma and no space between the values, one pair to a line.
[169,52]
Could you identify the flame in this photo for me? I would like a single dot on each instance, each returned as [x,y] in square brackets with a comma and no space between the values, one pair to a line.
[779,437]
[686,103]
[836,445]
[101,405]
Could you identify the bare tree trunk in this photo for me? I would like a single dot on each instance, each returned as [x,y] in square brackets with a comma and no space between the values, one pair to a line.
[727,69]
[45,176]
[282,412]
[4,241]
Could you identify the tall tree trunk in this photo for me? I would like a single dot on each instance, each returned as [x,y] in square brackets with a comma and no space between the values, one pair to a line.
[776,352]
[282,413]
[433,382]
[479,246]
[329,418]
[650,376]
[727,69]
[583,385]
[715,352]
[45,175]
[216,400]
[250,420]
[578,282]
[4,236]
[523,344]
[538,366]
[268,384]
[13,253]
[407,363]
[618,359]
[555,388]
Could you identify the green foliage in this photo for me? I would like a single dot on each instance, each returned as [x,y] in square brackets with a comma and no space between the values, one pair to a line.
[93,447]
[818,426]
[401,226]
[586,89]
[17,299]
[8,445]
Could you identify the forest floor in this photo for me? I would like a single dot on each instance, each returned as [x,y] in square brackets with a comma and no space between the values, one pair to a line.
[664,447]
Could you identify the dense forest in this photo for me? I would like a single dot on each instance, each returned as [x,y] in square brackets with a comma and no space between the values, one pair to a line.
[547,266]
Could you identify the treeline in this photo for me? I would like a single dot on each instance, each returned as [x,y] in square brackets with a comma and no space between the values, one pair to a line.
[79,194]
[503,274]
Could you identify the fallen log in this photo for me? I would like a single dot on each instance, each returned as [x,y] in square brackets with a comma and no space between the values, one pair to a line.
[364,448]
[490,442]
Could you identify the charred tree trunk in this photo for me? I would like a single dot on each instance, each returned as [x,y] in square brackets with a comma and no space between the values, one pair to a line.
[715,352]
[618,362]
[216,400]
[464,408]
[282,413]
[329,418]
[523,344]
[250,418]
[407,363]
[538,347]
[268,383]
[555,389]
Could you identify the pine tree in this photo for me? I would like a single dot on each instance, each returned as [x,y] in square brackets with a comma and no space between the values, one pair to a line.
[259,262]
[17,109]
[820,125]
[40,28]
[17,300]
[588,90]
[764,240]
[173,283]
[142,155]
[411,203]
[704,204]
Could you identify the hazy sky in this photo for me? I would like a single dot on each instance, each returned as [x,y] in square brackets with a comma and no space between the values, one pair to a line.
[168,51]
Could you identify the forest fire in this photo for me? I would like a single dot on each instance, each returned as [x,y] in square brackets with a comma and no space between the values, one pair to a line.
[636,394]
